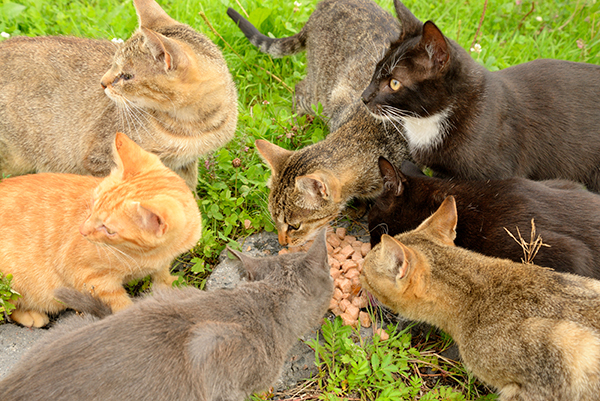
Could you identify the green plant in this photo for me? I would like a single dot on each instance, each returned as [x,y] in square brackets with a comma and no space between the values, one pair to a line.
[7,296]
[381,370]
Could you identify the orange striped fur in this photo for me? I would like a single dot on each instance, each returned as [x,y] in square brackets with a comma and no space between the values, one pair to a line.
[93,234]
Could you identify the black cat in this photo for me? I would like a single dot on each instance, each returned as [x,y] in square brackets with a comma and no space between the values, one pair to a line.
[566,216]
[538,120]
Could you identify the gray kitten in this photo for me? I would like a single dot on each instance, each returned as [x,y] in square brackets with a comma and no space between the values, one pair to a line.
[343,42]
[181,344]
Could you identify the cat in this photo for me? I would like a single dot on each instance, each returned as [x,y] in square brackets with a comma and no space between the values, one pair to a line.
[62,99]
[528,331]
[538,120]
[182,343]
[94,234]
[343,40]
[566,216]
[310,187]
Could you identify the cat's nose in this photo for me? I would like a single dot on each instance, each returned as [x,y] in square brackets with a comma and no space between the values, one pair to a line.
[103,84]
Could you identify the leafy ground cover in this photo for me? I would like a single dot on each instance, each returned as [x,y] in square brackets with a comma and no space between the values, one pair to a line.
[232,180]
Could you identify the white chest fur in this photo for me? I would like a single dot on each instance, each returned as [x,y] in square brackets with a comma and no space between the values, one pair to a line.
[426,132]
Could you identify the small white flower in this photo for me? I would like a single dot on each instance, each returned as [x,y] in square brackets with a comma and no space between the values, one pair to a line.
[117,40]
[539,19]
[476,48]
[297,4]
[5,35]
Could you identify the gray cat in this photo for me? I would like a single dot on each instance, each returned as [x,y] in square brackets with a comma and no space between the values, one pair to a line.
[343,42]
[181,344]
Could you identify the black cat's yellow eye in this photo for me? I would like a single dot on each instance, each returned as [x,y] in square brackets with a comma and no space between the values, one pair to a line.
[395,84]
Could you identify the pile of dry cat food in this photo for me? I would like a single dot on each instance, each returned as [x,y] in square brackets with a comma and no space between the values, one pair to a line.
[346,256]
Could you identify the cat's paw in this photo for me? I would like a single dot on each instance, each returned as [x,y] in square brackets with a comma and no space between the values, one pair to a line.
[30,318]
[165,281]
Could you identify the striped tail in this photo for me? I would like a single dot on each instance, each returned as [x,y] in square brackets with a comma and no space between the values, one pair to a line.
[81,302]
[275,47]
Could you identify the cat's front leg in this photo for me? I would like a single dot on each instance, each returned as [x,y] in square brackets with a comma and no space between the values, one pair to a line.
[163,277]
[189,173]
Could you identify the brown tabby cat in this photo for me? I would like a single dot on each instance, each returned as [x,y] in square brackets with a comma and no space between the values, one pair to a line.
[63,98]
[93,234]
[343,40]
[310,187]
[538,120]
[530,332]
[181,344]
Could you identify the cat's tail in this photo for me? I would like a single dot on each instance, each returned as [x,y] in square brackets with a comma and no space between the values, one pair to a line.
[275,47]
[82,302]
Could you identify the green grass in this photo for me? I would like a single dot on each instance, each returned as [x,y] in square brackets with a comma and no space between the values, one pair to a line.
[232,180]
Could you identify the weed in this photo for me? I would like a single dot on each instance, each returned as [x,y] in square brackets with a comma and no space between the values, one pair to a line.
[7,296]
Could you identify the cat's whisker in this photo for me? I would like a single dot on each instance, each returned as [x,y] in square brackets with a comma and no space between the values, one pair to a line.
[383,226]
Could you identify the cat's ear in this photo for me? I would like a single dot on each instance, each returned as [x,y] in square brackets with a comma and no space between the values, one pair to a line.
[273,155]
[149,220]
[397,254]
[435,45]
[409,24]
[317,188]
[129,157]
[442,224]
[151,15]
[392,179]
[317,254]
[249,263]
[165,50]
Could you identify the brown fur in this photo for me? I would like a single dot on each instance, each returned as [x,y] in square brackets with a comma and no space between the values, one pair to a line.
[93,234]
[62,98]
[182,344]
[530,332]
[311,186]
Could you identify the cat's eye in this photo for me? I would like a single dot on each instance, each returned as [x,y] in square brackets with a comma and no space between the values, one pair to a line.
[395,84]
[109,232]
[293,228]
[126,77]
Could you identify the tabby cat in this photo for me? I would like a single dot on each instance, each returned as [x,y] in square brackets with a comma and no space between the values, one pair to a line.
[181,344]
[566,216]
[63,98]
[530,332]
[343,40]
[538,120]
[310,187]
[93,234]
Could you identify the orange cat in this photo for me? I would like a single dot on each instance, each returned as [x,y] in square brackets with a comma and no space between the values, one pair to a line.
[93,234]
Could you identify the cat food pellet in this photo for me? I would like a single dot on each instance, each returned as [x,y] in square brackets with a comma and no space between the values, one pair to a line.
[334,241]
[382,334]
[352,311]
[347,251]
[365,248]
[346,257]
[347,265]
[365,319]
